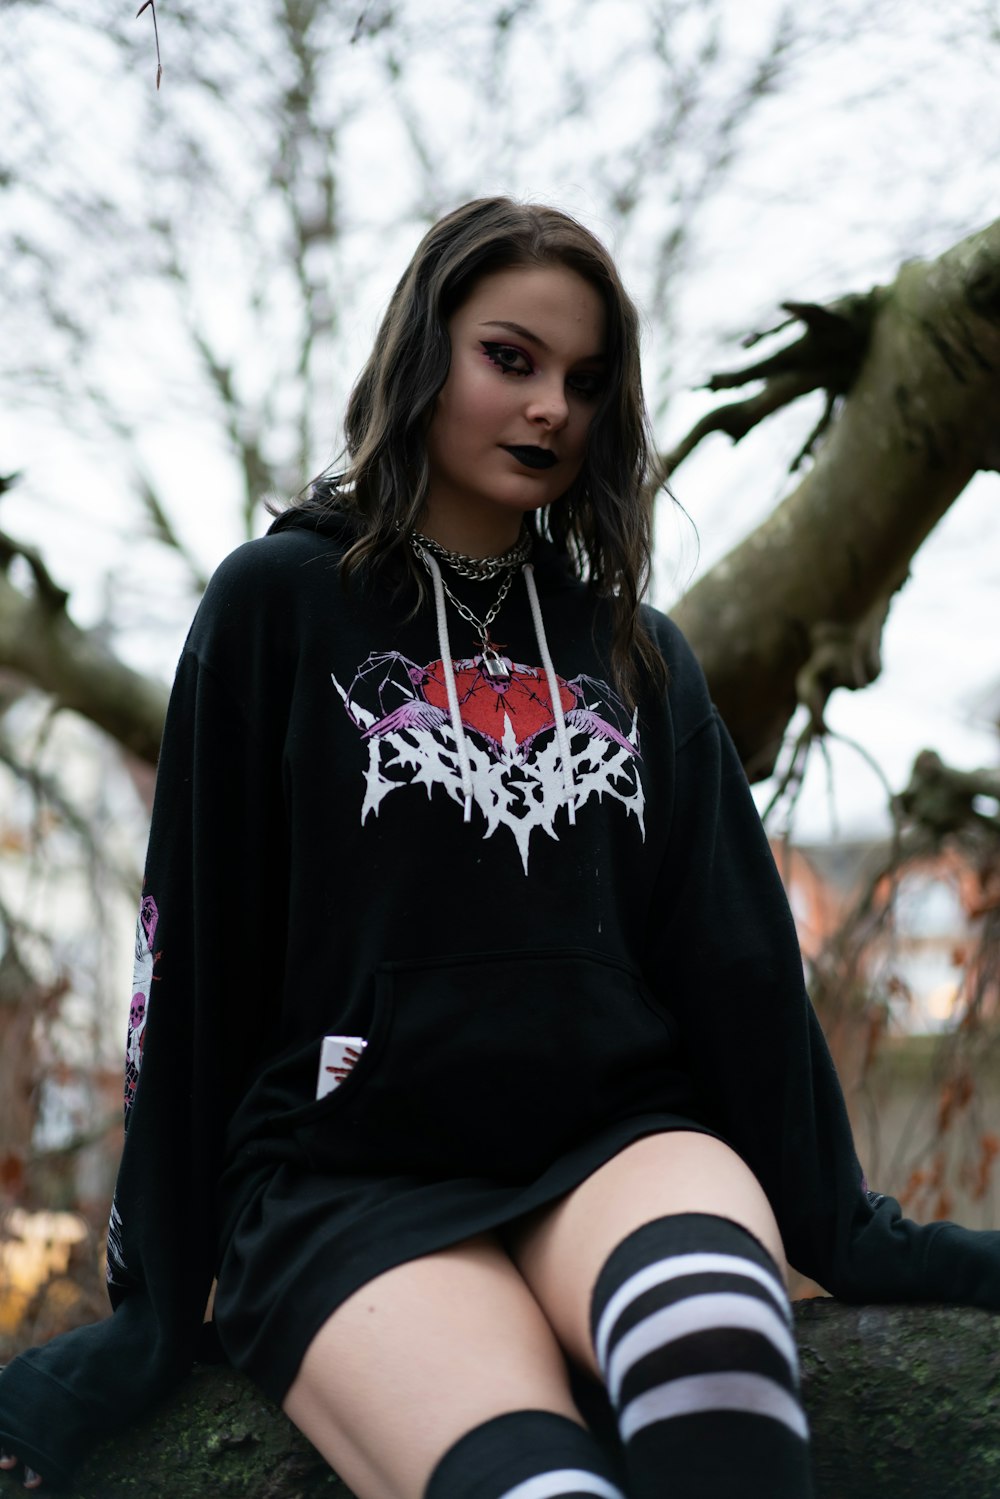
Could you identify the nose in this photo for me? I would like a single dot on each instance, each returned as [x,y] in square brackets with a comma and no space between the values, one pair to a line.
[547,404]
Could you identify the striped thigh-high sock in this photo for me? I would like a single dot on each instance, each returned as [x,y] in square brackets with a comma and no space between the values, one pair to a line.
[692,1329]
[524,1455]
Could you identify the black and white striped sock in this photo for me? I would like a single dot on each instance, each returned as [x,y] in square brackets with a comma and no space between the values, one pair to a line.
[692,1328]
[524,1455]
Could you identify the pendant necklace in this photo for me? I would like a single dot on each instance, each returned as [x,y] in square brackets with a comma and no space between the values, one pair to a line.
[480,569]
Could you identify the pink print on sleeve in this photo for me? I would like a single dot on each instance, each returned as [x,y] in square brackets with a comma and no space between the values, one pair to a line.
[142,983]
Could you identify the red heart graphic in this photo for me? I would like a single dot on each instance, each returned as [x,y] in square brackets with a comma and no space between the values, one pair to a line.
[487,706]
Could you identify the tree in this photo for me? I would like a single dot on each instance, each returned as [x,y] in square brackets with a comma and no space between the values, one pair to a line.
[910,375]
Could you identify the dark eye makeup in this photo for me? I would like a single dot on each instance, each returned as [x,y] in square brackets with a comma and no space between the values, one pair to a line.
[505,357]
[510,360]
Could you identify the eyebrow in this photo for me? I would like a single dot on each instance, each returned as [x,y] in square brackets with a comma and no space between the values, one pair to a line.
[540,343]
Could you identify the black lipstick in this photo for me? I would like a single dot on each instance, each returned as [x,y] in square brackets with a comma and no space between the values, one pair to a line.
[532,457]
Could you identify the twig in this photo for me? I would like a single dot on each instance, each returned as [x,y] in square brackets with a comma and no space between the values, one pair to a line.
[794,773]
[151,5]
[359,25]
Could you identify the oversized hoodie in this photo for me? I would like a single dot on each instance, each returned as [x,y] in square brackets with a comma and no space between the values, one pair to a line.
[554,921]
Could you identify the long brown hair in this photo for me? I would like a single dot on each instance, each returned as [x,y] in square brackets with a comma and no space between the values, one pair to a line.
[604,519]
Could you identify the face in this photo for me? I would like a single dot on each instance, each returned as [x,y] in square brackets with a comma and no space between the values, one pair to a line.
[509,427]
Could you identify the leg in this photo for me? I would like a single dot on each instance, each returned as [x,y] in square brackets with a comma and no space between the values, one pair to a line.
[560,1250]
[664,1275]
[421,1363]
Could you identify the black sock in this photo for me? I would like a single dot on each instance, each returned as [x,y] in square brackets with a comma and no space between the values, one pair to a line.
[692,1328]
[524,1455]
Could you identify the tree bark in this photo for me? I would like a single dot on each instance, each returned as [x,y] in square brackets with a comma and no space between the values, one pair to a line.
[901,1400]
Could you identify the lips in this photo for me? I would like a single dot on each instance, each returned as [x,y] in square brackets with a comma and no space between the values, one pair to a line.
[532,457]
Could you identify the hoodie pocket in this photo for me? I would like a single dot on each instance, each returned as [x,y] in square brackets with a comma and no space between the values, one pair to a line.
[492,1065]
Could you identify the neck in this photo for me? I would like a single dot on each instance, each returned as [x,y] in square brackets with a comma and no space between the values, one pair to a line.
[472,535]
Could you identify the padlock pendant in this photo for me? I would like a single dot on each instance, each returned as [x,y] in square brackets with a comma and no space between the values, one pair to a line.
[494,665]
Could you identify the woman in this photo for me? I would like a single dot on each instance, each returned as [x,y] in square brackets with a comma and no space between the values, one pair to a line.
[470,1046]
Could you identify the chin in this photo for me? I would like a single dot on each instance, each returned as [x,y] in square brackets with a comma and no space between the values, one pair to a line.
[528,494]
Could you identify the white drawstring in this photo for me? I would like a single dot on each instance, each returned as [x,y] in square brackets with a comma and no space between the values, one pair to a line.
[457,728]
[562,737]
[444,646]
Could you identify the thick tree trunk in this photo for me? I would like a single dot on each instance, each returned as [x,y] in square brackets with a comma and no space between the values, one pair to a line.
[901,1400]
[797,608]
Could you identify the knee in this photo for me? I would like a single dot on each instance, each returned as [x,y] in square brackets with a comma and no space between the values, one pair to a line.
[692,1276]
[693,1337]
[710,1179]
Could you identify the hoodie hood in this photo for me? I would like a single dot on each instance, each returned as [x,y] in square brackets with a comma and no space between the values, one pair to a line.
[309,516]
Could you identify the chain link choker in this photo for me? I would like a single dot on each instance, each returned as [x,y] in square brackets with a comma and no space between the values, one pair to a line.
[481,569]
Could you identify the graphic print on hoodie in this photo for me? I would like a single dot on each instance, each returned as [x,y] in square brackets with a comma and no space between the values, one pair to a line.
[142,984]
[116,1269]
[518,779]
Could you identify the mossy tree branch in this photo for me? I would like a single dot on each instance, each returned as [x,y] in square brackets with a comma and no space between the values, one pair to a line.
[900,1400]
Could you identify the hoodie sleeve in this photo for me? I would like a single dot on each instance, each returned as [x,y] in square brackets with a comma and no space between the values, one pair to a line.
[208,963]
[729,968]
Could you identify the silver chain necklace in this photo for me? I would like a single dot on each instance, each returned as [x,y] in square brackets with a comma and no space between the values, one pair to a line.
[475,567]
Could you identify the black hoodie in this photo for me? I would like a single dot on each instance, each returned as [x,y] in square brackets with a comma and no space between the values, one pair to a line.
[570,920]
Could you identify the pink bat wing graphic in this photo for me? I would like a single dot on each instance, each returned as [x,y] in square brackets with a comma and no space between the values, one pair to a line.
[413,715]
[589,722]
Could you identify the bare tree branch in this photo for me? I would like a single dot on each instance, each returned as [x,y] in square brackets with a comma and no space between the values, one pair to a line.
[40,641]
[827,357]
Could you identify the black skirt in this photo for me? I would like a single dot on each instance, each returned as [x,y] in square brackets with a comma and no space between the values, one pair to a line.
[296,1242]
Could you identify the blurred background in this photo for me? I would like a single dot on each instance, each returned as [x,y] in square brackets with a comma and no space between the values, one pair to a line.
[191,278]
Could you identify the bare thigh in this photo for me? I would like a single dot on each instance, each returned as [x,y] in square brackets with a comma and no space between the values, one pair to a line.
[420,1356]
[560,1250]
